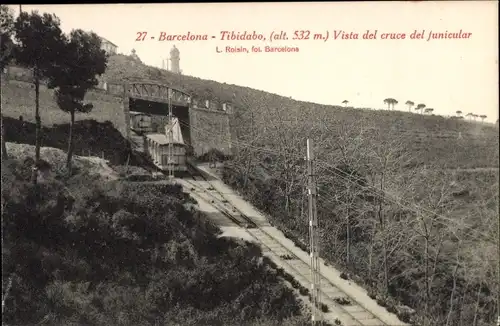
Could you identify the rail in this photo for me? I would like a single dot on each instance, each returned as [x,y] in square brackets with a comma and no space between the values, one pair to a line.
[346,308]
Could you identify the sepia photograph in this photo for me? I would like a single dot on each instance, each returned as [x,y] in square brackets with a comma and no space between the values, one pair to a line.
[250,164]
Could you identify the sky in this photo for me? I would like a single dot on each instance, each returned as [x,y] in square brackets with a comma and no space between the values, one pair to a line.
[445,74]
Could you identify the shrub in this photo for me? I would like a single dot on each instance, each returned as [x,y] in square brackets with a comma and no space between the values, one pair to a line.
[115,253]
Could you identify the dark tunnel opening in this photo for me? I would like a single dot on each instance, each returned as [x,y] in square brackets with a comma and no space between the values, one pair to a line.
[159,115]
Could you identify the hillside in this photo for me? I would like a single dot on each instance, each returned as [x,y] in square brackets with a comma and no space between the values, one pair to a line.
[450,143]
[433,139]
[453,142]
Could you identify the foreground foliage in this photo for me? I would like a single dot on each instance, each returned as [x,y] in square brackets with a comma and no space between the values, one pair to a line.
[85,252]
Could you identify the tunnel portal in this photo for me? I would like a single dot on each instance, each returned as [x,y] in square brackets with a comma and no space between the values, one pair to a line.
[159,115]
[153,98]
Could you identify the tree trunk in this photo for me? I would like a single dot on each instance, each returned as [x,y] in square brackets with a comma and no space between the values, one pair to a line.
[302,205]
[452,295]
[38,126]
[5,295]
[348,245]
[381,218]
[463,303]
[37,116]
[427,285]
[5,156]
[70,142]
[370,255]
[386,270]
[247,171]
[474,323]
[348,230]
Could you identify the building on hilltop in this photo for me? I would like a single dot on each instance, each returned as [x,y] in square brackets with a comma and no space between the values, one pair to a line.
[108,46]
[175,60]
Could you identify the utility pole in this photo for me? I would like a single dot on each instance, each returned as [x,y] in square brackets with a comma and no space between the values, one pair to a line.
[313,239]
[171,138]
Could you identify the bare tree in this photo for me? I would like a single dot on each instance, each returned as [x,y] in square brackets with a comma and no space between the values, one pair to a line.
[349,144]
[435,197]
[387,156]
[4,146]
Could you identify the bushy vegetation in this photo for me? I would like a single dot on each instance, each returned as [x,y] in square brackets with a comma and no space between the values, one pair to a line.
[411,229]
[213,155]
[86,252]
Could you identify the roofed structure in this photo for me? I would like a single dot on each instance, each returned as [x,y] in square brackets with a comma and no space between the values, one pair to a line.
[108,46]
[174,137]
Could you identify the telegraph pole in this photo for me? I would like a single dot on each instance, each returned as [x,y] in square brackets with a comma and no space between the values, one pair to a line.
[313,239]
[171,133]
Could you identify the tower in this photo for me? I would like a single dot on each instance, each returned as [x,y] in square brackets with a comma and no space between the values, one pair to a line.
[174,59]
[134,55]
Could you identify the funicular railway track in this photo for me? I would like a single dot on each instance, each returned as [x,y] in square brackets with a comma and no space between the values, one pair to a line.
[216,199]
[341,306]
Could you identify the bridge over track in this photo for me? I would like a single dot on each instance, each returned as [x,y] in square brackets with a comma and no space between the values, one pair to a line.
[210,128]
[113,101]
